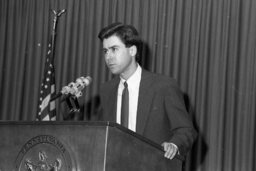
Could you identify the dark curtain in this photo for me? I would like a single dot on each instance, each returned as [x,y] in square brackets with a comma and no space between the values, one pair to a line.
[209,46]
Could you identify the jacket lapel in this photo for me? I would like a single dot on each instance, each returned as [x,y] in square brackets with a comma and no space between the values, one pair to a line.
[111,97]
[144,101]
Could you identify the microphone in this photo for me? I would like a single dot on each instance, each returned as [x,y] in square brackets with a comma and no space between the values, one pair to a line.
[79,85]
[74,88]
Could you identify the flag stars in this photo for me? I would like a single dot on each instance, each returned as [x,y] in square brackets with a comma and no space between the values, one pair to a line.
[44,111]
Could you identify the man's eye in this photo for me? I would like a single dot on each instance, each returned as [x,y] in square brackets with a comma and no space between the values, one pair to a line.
[105,51]
[114,49]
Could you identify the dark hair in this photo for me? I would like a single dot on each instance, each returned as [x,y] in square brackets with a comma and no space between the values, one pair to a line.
[127,34]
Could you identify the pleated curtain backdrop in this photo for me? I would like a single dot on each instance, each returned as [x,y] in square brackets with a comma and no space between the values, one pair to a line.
[209,46]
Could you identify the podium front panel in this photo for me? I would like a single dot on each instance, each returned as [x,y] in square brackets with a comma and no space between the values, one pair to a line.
[45,145]
[78,146]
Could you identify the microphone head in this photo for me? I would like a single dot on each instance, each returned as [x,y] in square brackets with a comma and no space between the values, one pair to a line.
[80,84]
[66,90]
[85,81]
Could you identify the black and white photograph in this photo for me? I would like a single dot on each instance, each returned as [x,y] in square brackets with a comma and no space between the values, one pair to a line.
[127,85]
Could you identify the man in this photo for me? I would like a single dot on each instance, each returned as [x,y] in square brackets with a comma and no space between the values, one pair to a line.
[156,107]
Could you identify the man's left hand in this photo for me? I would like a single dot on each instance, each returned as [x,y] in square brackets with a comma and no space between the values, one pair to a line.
[170,150]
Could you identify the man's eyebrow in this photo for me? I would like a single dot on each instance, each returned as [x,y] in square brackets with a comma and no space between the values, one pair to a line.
[114,46]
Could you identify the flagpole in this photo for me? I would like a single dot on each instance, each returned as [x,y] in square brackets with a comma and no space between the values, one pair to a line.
[57,14]
[47,108]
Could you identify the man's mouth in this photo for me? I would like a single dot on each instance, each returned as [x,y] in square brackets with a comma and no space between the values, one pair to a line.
[111,65]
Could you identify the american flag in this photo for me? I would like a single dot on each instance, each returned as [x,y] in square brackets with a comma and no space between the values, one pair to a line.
[47,108]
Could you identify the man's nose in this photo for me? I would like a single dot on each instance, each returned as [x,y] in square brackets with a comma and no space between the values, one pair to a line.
[109,55]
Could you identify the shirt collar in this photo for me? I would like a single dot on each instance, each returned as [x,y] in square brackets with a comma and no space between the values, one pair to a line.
[134,79]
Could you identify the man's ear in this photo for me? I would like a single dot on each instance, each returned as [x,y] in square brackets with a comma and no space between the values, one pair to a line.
[133,50]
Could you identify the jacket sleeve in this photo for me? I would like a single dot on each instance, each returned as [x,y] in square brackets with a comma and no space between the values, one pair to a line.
[181,125]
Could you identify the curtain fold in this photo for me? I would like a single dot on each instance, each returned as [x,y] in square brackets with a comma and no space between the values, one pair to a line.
[209,46]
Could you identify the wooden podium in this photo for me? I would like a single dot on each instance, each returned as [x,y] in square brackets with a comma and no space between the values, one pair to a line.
[78,146]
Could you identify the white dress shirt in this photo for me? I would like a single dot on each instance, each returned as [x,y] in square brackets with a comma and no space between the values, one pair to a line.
[133,88]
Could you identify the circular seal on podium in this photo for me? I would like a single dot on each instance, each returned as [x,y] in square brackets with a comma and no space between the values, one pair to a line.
[44,153]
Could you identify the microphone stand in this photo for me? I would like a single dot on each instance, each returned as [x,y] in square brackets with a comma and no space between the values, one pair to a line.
[74,107]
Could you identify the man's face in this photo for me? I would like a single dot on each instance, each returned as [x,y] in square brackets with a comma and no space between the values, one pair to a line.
[119,58]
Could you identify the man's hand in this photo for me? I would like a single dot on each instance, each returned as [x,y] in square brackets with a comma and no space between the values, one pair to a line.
[170,150]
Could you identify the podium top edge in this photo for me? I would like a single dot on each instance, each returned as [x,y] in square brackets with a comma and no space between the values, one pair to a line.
[89,123]
[99,123]
[84,123]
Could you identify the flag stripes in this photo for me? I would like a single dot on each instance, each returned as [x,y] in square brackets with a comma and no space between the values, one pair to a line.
[47,108]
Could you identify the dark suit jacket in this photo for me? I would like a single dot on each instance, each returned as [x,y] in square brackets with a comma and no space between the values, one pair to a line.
[161,113]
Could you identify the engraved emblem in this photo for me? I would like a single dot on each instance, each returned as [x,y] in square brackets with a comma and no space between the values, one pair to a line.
[43,163]
[44,153]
